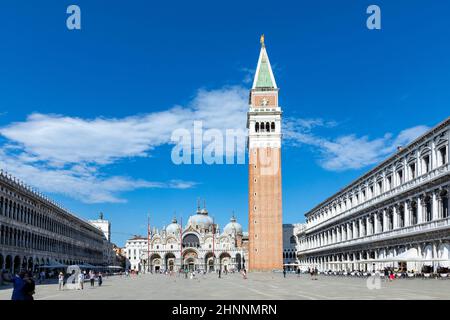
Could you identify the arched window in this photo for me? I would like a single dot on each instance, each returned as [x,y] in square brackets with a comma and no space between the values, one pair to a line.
[401,222]
[442,159]
[391,220]
[293,240]
[191,240]
[445,205]
[428,209]
[272,127]
[262,126]
[257,127]
[267,127]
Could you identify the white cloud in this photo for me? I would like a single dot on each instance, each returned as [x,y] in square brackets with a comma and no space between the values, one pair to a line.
[79,182]
[349,151]
[64,155]
[60,139]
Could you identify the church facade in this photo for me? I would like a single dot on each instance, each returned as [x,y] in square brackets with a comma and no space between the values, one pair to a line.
[199,245]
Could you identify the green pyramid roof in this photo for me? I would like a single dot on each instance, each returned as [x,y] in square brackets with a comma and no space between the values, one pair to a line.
[264,77]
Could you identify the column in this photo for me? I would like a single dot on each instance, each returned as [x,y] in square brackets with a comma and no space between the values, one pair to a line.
[385,220]
[395,211]
[368,226]
[376,223]
[408,210]
[434,256]
[420,205]
[349,232]
[360,228]
[435,205]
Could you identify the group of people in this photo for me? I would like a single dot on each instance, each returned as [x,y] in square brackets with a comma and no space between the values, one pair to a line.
[78,279]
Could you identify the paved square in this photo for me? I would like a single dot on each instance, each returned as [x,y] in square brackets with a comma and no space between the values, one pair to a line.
[232,286]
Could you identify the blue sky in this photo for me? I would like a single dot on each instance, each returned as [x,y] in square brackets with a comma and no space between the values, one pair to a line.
[85,115]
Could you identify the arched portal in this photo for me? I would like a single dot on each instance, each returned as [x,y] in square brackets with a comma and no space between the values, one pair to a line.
[190,260]
[30,263]
[225,261]
[155,262]
[210,262]
[17,264]
[9,263]
[444,255]
[169,260]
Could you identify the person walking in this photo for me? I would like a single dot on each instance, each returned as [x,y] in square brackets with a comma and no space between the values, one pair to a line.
[244,274]
[60,281]
[284,272]
[80,281]
[92,278]
[41,277]
[100,279]
[220,273]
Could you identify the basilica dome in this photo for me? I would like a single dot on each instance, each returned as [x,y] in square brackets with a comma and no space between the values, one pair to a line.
[233,227]
[200,220]
[173,228]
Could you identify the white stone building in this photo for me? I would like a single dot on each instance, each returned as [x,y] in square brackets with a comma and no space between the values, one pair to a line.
[396,215]
[199,246]
[35,231]
[109,255]
[290,245]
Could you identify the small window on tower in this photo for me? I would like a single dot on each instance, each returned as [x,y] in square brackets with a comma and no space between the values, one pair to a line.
[267,127]
[272,127]
[257,127]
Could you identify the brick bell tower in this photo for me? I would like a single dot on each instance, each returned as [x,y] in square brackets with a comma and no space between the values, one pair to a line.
[264,149]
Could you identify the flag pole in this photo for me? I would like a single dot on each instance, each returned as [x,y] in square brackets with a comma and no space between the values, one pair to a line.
[181,242]
[148,242]
[213,236]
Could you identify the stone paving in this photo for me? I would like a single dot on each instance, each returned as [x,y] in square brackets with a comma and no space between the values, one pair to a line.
[232,286]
